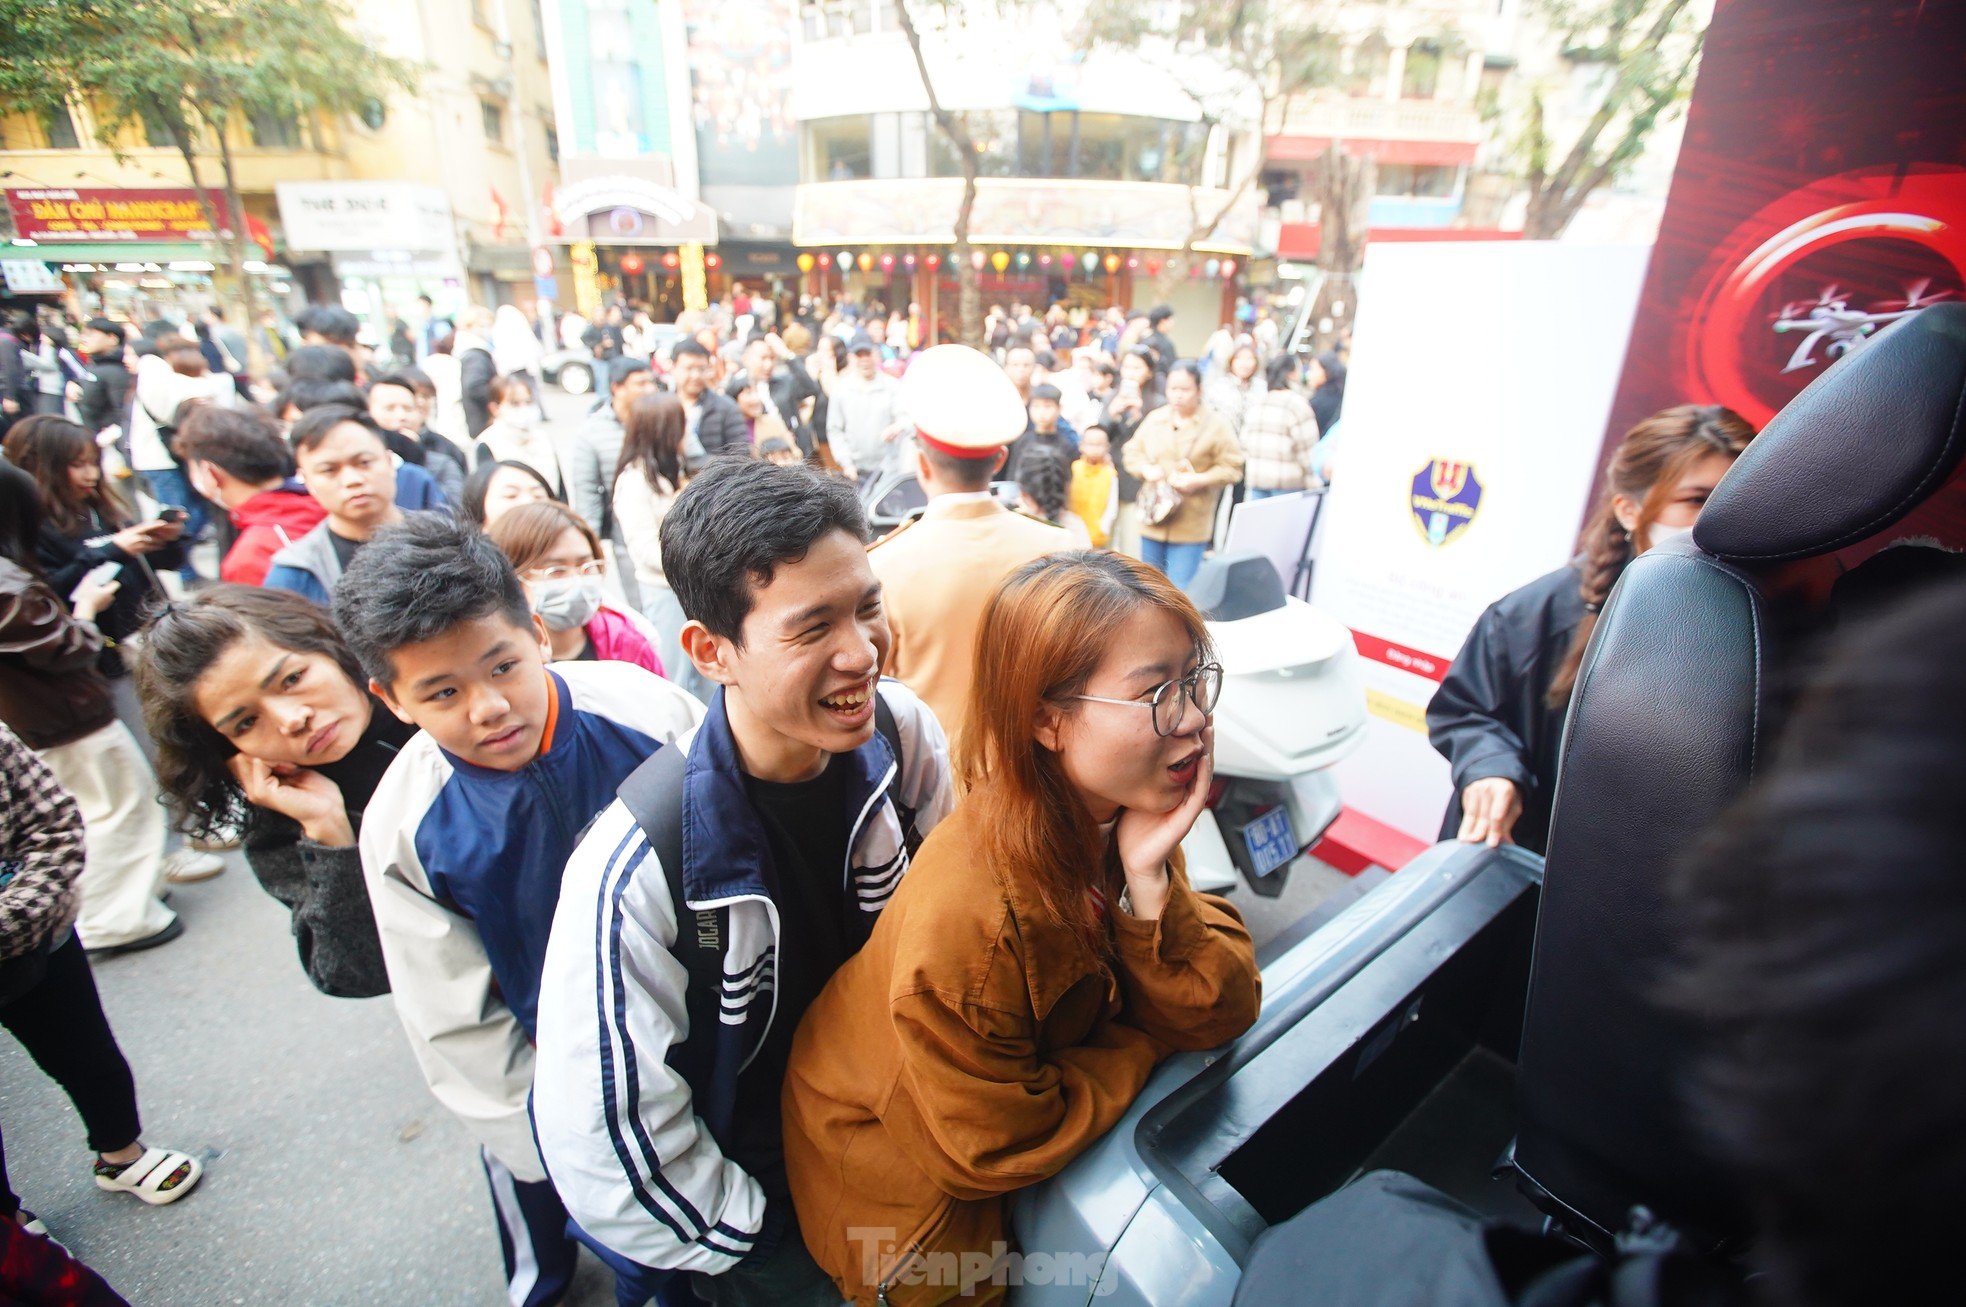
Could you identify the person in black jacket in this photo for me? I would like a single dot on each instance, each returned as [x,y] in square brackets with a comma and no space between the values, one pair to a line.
[471,345]
[1498,715]
[263,721]
[103,398]
[83,526]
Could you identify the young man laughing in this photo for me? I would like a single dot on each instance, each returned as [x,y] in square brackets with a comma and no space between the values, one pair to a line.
[724,888]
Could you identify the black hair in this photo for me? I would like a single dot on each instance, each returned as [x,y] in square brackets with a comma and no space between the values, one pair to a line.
[1047,391]
[315,424]
[243,441]
[329,322]
[1047,360]
[478,485]
[418,579]
[320,363]
[961,474]
[618,372]
[736,522]
[689,345]
[306,393]
[180,644]
[1824,922]
[1188,366]
[20,518]
[1280,372]
[401,380]
[1023,344]
[1158,314]
[1044,476]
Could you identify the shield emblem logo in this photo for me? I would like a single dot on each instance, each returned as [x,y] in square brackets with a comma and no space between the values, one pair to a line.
[1446,496]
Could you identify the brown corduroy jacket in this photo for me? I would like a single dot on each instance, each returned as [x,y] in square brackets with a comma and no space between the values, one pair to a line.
[972,1047]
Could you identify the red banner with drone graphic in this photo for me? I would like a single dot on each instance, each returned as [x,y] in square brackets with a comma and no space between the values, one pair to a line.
[1820,196]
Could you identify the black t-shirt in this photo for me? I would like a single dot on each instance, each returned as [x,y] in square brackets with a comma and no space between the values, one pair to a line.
[807,826]
[344,548]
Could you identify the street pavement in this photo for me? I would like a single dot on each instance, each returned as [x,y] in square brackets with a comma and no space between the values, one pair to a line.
[332,1175]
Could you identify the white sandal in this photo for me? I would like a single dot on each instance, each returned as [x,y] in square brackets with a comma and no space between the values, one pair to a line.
[146,1177]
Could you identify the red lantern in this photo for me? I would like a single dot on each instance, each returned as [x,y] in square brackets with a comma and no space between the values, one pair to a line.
[713,260]
[1153,267]
[887,263]
[632,264]
[672,260]
[934,261]
[1133,265]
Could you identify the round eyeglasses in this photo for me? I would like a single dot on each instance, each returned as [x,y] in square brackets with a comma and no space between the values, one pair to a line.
[561,572]
[1170,698]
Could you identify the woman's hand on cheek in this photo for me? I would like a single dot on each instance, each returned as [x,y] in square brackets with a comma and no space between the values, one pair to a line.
[298,793]
[1148,839]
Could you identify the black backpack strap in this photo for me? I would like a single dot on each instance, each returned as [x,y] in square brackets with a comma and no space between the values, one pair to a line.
[890,731]
[653,795]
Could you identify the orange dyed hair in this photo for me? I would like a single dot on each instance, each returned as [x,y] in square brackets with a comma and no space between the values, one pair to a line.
[1043,635]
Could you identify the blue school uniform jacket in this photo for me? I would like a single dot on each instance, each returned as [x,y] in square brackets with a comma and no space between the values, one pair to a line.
[463,867]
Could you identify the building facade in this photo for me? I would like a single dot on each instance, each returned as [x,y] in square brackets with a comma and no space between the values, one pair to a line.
[1091,168]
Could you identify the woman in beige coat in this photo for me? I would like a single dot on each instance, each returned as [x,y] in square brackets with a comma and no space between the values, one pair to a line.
[1188,448]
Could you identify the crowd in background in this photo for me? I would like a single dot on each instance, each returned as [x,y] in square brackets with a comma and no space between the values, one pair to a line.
[210,541]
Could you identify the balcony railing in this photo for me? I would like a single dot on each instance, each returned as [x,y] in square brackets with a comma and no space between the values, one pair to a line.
[1392,120]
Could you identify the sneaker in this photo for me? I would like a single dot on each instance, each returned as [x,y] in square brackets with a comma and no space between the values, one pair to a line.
[189,865]
[219,841]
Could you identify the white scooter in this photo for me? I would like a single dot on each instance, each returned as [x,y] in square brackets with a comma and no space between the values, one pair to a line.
[1292,705]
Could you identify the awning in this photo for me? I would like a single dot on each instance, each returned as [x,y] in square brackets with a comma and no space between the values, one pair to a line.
[112,252]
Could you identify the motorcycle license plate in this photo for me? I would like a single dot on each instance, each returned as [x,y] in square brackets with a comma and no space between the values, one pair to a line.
[1270,840]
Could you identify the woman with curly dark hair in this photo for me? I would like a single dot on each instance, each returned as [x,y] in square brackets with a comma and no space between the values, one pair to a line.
[1498,717]
[263,720]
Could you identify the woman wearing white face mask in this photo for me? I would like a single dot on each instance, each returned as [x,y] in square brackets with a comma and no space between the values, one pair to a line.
[1498,716]
[515,434]
[559,558]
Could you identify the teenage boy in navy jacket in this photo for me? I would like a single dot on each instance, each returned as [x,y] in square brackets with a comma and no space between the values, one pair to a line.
[465,841]
[796,819]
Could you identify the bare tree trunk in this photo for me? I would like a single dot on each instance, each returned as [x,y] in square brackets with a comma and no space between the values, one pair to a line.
[969,304]
[234,241]
[1344,184]
[1555,199]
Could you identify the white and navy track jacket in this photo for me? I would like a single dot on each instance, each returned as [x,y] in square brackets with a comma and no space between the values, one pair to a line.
[626,1137]
[463,866]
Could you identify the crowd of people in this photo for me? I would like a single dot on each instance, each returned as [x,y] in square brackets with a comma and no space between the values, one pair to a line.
[769,902]
[461,688]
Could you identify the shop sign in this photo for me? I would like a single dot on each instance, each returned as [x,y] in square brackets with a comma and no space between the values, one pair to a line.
[68,214]
[366,215]
[1105,215]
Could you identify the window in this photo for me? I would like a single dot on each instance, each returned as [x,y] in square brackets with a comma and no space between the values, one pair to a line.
[157,132]
[841,149]
[373,113]
[1422,77]
[274,130]
[1370,63]
[1417,180]
[59,126]
[552,130]
[493,114]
